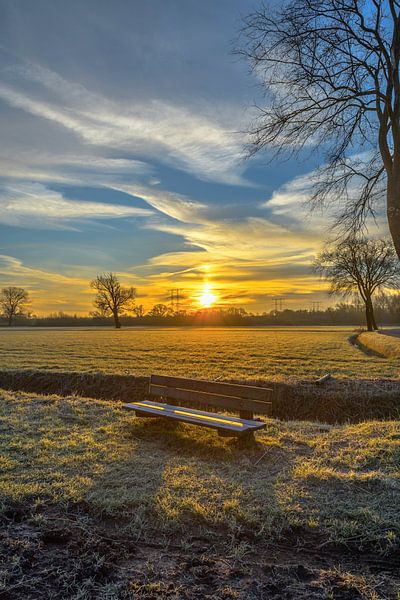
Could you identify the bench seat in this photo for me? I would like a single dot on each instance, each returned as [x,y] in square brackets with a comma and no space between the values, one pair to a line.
[225,424]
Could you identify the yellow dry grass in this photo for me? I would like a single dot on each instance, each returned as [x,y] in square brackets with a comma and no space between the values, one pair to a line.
[259,353]
[379,343]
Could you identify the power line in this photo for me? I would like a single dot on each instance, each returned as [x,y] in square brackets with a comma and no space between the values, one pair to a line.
[175,296]
[316,306]
[279,304]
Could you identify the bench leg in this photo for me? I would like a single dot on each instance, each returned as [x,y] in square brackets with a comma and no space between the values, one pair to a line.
[246,414]
[247,439]
[139,413]
[244,439]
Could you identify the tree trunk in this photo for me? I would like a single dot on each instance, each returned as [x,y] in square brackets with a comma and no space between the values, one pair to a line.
[368,318]
[116,320]
[374,325]
[10,320]
[393,209]
[370,315]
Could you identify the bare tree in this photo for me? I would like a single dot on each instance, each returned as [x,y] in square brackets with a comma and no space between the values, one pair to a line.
[330,70]
[13,301]
[361,266]
[139,311]
[111,297]
[160,311]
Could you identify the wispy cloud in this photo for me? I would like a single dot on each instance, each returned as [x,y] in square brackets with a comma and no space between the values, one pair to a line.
[81,169]
[177,206]
[255,238]
[246,260]
[197,139]
[291,205]
[86,144]
[48,291]
[36,206]
[253,258]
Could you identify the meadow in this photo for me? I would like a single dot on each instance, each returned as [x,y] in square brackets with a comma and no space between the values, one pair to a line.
[97,504]
[239,353]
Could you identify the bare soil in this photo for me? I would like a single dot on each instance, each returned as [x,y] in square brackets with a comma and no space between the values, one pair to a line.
[70,553]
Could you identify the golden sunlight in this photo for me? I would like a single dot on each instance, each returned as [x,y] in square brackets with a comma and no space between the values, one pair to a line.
[207,299]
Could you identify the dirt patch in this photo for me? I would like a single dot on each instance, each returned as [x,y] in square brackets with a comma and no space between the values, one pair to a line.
[336,401]
[49,552]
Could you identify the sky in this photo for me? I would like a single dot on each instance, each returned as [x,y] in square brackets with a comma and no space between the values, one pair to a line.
[123,150]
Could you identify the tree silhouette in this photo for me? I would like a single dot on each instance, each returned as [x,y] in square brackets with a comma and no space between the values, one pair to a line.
[111,297]
[361,266]
[139,311]
[330,71]
[160,311]
[13,301]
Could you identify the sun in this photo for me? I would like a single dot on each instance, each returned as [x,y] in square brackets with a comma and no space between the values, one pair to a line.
[207,299]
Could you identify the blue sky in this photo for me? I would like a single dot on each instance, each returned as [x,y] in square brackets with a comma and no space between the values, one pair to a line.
[122,149]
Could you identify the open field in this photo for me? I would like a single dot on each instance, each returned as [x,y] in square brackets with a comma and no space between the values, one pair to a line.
[97,504]
[239,353]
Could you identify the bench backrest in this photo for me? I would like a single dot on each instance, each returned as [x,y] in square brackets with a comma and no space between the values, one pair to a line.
[243,398]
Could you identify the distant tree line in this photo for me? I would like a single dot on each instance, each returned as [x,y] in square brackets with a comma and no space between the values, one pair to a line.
[351,313]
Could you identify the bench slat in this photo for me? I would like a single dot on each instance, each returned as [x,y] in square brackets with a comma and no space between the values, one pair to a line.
[195,417]
[214,387]
[172,407]
[228,402]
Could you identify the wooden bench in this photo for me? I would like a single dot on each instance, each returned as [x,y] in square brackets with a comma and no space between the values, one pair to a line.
[245,399]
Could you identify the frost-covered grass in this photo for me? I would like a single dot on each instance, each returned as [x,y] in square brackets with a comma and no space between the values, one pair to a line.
[241,353]
[339,482]
[95,503]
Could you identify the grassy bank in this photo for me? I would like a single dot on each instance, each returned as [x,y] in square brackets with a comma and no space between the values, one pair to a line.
[336,401]
[380,344]
[84,486]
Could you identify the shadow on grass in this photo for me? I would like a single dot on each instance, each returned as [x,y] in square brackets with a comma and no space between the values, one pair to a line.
[188,481]
[192,440]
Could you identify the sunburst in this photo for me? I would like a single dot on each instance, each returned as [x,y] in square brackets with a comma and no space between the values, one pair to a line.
[207,298]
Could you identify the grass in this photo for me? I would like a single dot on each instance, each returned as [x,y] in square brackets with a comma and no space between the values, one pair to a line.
[85,475]
[241,353]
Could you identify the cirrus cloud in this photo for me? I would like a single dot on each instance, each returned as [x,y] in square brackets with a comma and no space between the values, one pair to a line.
[33,205]
[198,139]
